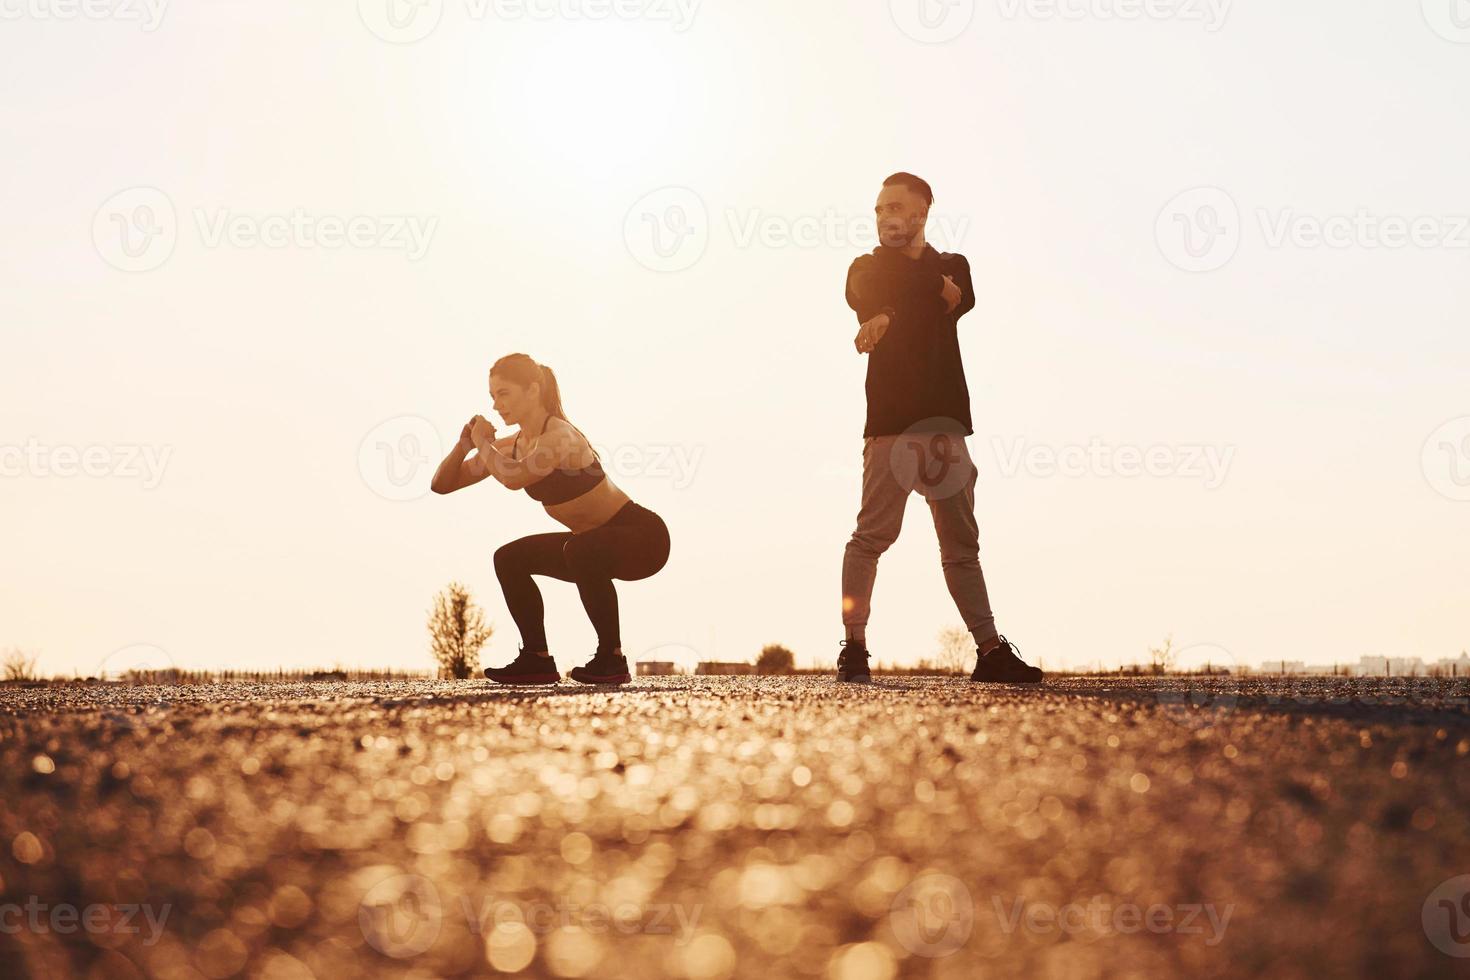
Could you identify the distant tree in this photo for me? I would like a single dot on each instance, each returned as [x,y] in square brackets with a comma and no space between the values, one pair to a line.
[1161,658]
[18,666]
[457,631]
[775,659]
[956,648]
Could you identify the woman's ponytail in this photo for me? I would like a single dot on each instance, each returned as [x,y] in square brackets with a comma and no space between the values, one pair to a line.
[551,394]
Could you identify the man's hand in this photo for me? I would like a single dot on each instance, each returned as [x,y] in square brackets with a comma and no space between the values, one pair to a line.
[952,294]
[871,332]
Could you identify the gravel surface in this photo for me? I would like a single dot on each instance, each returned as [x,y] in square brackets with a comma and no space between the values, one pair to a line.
[718,827]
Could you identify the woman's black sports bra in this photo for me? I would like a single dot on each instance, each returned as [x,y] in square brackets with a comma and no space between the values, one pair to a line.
[560,486]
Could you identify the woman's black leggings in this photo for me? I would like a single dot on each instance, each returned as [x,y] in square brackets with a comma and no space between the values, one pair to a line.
[633,544]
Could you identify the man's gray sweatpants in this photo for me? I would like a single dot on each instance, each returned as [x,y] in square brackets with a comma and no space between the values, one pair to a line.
[938,466]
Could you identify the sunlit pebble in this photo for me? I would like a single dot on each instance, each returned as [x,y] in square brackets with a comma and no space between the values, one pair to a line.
[289,907]
[220,954]
[708,957]
[763,885]
[27,848]
[199,843]
[510,947]
[503,828]
[277,965]
[573,952]
[576,848]
[863,961]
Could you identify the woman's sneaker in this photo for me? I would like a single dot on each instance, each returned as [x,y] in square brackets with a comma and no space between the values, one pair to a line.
[1002,666]
[603,668]
[852,664]
[526,668]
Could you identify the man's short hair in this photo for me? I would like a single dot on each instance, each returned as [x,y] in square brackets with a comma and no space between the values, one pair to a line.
[918,185]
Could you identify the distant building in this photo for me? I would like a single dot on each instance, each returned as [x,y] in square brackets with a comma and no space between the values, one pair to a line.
[1284,667]
[1392,667]
[715,667]
[1373,666]
[647,668]
[1458,667]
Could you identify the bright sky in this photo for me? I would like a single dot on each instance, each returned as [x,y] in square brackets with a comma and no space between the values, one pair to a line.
[661,203]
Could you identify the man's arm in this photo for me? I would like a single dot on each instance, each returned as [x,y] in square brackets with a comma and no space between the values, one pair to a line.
[961,277]
[873,289]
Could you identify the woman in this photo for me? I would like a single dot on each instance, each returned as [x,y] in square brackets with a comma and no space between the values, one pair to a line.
[608,536]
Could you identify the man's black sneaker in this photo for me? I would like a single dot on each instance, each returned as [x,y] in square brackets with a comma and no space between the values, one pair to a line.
[526,668]
[603,668]
[852,664]
[1002,666]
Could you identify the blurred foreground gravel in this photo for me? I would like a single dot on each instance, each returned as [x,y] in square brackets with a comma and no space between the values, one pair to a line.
[716,827]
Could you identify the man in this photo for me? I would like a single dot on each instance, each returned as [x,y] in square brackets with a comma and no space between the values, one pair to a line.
[908,298]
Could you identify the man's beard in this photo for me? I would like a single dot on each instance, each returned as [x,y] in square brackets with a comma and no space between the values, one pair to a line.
[897,238]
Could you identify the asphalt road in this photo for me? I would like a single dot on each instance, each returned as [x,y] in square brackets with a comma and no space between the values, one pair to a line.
[717,827]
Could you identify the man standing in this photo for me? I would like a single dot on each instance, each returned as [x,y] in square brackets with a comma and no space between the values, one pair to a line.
[908,298]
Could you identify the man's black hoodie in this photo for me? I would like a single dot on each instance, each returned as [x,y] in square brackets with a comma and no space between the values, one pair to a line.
[916,382]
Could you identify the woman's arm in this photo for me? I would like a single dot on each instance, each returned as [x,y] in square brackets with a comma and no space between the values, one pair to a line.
[455,472]
[539,459]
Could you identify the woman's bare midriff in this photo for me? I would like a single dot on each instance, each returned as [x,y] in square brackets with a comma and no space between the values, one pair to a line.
[593,509]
